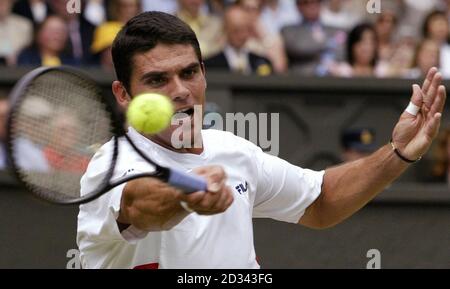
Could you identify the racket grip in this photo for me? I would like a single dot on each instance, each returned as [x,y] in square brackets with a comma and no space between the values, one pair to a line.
[186,182]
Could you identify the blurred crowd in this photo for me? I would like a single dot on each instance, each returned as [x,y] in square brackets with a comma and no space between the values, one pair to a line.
[307,37]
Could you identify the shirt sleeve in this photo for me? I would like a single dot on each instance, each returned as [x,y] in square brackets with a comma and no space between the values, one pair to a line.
[284,191]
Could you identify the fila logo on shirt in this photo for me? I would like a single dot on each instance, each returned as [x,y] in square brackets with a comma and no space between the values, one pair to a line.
[241,188]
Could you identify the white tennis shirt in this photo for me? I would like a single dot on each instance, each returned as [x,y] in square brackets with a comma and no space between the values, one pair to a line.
[264,186]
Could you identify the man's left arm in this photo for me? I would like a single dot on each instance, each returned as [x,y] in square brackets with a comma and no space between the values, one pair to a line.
[347,188]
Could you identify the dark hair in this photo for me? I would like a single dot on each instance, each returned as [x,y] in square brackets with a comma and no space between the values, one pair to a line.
[426,22]
[143,33]
[355,36]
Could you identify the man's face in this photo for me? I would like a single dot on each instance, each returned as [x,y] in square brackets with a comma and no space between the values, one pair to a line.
[5,8]
[237,28]
[310,9]
[174,71]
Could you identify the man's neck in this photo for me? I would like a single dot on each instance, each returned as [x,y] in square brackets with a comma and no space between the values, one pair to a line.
[192,150]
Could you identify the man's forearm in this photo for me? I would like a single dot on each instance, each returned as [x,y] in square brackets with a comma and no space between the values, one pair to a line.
[347,188]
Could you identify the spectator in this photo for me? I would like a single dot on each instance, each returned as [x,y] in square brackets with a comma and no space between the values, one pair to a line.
[35,10]
[64,138]
[311,45]
[362,54]
[414,13]
[262,40]
[80,32]
[16,33]
[385,26]
[427,55]
[123,10]
[441,155]
[276,14]
[395,50]
[436,27]
[357,143]
[101,47]
[208,28]
[48,48]
[334,14]
[235,56]
[4,107]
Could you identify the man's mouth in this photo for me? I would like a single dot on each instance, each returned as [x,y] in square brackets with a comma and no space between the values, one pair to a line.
[183,112]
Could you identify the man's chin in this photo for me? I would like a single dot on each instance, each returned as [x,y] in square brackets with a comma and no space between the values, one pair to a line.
[179,138]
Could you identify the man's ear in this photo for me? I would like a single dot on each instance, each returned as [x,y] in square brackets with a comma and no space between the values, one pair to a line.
[121,94]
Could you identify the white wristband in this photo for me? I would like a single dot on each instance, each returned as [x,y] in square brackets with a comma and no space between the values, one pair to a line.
[412,109]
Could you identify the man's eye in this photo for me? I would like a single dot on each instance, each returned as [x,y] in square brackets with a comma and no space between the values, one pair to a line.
[156,81]
[189,73]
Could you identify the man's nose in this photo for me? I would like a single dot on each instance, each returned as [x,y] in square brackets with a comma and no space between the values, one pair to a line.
[179,92]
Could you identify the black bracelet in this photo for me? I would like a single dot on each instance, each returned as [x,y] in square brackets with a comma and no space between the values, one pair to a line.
[400,155]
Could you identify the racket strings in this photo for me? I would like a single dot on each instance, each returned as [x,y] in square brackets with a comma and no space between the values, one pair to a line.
[56,129]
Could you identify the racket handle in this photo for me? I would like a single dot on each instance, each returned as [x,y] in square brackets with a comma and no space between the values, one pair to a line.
[186,182]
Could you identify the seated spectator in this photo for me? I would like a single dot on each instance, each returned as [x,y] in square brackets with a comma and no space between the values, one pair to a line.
[16,33]
[48,48]
[276,14]
[35,10]
[80,32]
[436,27]
[414,12]
[4,107]
[334,14]
[362,54]
[123,10]
[441,156]
[263,40]
[385,25]
[101,47]
[311,45]
[208,28]
[64,138]
[395,54]
[427,55]
[235,56]
[357,143]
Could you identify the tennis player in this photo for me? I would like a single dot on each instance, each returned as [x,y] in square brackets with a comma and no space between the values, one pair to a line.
[148,224]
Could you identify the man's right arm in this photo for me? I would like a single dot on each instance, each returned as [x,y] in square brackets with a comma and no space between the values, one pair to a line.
[152,205]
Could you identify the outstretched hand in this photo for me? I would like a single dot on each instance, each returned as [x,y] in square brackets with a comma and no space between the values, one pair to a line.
[413,134]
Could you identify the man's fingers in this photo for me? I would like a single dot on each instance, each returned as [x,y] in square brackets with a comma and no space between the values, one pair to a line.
[439,101]
[416,101]
[432,127]
[192,199]
[427,82]
[429,97]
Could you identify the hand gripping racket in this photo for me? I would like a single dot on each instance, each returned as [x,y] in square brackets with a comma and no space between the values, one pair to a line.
[57,121]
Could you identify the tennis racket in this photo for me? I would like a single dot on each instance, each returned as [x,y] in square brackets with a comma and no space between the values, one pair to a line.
[58,120]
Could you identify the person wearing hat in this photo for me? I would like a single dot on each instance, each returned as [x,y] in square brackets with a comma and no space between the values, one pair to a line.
[357,143]
[101,47]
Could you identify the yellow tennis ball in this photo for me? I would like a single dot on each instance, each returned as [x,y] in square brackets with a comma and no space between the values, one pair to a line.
[150,113]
